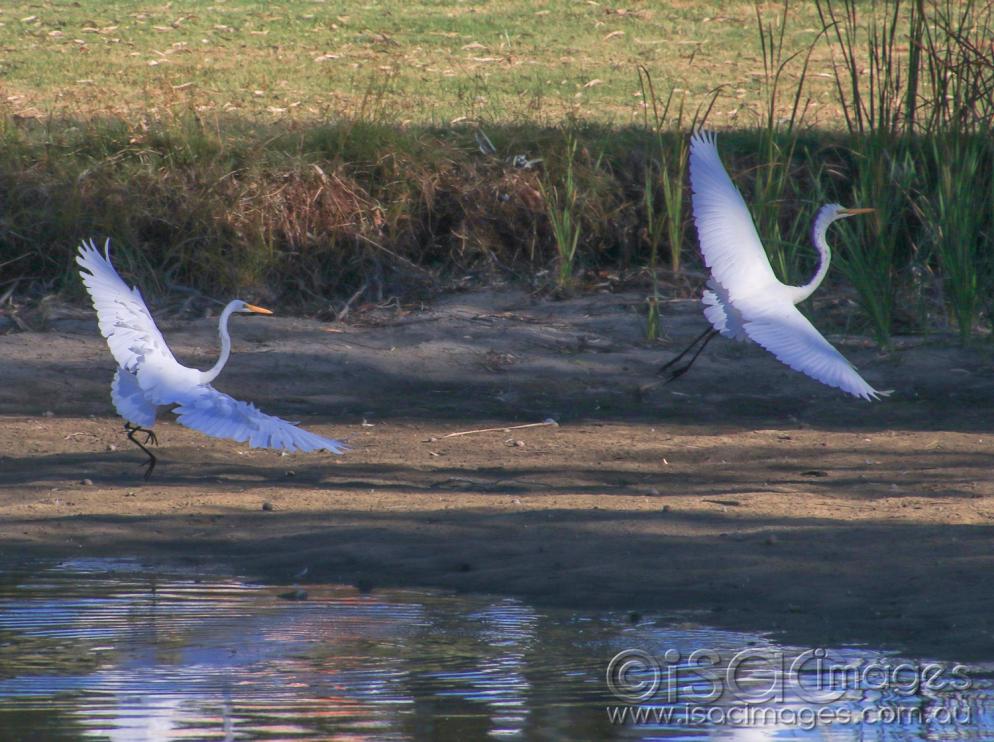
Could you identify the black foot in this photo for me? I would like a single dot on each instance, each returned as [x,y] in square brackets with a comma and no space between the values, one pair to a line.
[151,465]
[662,369]
[707,336]
[149,438]
[674,375]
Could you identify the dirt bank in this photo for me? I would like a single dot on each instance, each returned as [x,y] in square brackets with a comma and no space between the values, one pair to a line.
[744,493]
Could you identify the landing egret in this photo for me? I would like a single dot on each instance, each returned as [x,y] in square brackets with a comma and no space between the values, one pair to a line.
[148,376]
[744,299]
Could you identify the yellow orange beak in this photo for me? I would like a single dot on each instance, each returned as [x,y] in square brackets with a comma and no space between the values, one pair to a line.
[854,212]
[257,310]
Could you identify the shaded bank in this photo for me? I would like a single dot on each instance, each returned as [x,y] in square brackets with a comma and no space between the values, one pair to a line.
[745,494]
[319,217]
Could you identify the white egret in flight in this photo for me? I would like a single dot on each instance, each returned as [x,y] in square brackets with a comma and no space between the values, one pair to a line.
[744,299]
[148,376]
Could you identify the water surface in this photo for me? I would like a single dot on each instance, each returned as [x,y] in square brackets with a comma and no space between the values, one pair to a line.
[110,649]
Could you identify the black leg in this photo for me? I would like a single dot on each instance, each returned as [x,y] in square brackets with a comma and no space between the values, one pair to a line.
[149,437]
[674,375]
[685,351]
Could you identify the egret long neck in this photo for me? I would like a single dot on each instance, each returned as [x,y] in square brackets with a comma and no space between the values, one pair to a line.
[222,328]
[818,231]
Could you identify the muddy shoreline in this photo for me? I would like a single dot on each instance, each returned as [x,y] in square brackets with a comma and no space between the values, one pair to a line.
[744,496]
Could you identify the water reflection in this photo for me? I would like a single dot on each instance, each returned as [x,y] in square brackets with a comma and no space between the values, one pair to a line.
[119,651]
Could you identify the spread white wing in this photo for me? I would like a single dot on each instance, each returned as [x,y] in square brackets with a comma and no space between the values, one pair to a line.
[780,328]
[215,413]
[149,375]
[729,242]
[124,319]
[130,401]
[744,282]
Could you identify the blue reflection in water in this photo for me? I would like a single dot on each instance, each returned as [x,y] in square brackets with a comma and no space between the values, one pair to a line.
[499,680]
[116,650]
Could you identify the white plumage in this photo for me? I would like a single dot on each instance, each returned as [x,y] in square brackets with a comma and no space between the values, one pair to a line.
[148,376]
[744,299]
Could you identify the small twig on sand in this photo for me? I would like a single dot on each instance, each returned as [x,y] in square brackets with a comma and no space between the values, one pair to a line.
[547,421]
[344,311]
[74,436]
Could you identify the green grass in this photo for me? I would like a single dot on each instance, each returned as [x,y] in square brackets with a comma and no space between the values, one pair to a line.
[409,62]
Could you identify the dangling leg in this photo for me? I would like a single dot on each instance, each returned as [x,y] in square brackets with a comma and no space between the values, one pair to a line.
[685,351]
[149,437]
[674,375]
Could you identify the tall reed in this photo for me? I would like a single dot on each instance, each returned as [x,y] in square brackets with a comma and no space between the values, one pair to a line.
[774,182]
[915,84]
[564,218]
[664,194]
[957,230]
[870,254]
[876,86]
[921,66]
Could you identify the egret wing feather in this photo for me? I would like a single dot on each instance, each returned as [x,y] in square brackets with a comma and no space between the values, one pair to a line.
[130,401]
[124,319]
[721,313]
[215,413]
[787,334]
[731,247]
